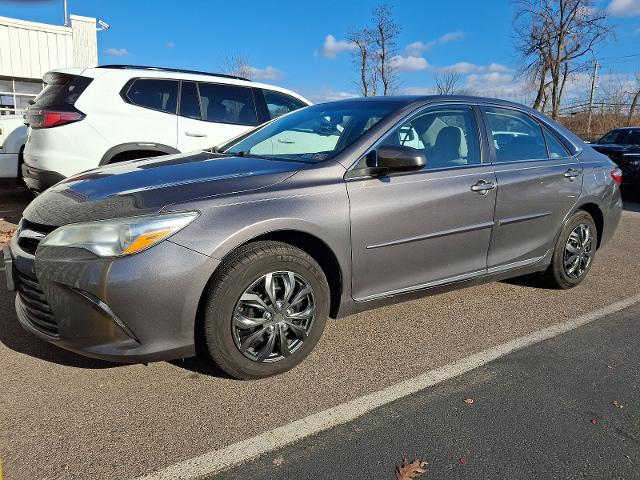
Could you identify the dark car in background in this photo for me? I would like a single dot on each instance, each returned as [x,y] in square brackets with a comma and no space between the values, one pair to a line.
[242,252]
[622,145]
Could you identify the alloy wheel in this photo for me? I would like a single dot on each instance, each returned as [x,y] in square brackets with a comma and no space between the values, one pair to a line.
[578,251]
[273,317]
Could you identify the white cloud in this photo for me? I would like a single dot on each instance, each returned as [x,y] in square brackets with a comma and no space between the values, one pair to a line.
[452,37]
[266,73]
[332,47]
[408,64]
[117,52]
[329,95]
[624,8]
[417,48]
[418,91]
[461,67]
[467,67]
[171,45]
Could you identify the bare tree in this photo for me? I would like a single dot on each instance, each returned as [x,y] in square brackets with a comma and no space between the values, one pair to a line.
[634,102]
[448,84]
[552,37]
[361,57]
[236,64]
[385,33]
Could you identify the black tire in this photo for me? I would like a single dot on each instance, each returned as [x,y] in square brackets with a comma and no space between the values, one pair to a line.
[244,267]
[556,275]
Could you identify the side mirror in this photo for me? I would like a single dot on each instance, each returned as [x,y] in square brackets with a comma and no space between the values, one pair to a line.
[388,159]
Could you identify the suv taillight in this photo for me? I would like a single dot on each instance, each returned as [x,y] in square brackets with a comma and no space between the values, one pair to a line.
[616,174]
[52,118]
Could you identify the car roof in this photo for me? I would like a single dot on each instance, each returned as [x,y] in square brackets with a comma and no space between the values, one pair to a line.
[415,99]
[133,71]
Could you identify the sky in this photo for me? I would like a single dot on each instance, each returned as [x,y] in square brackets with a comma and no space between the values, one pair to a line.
[301,45]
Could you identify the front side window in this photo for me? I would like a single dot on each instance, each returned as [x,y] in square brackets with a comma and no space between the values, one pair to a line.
[314,133]
[278,103]
[161,95]
[227,104]
[447,135]
[515,135]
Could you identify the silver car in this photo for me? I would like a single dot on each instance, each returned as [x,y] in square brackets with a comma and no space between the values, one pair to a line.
[241,253]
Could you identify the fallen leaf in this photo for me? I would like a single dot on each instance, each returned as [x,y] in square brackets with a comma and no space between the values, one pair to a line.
[617,405]
[278,461]
[463,461]
[595,421]
[5,236]
[468,401]
[410,470]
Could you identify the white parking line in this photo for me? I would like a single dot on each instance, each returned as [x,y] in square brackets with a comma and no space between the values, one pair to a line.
[224,458]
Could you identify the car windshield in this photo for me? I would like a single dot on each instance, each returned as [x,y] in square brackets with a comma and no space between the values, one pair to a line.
[621,137]
[313,134]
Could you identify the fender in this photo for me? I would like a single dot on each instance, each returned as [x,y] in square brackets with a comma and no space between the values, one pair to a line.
[133,146]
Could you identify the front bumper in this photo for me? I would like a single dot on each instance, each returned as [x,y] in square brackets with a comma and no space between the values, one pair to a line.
[131,309]
[39,180]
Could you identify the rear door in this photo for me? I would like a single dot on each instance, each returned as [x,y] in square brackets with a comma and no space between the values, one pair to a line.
[539,183]
[430,226]
[212,113]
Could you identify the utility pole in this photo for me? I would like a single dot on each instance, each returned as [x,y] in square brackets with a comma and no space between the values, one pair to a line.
[593,88]
[66,13]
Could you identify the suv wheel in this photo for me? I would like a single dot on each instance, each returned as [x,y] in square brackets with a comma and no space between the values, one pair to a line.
[265,310]
[574,251]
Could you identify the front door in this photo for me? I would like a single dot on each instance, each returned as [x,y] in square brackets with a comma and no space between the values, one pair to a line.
[426,227]
[539,183]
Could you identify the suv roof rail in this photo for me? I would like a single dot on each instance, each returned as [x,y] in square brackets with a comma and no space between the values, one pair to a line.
[175,70]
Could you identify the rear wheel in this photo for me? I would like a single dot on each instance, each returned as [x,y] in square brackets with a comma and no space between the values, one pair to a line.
[574,251]
[265,310]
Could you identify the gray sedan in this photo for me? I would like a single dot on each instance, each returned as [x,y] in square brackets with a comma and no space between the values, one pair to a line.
[241,253]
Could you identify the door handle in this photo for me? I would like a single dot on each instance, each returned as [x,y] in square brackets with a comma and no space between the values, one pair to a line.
[483,187]
[195,134]
[572,173]
[285,140]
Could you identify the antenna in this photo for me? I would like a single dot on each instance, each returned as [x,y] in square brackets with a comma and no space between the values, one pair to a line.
[66,13]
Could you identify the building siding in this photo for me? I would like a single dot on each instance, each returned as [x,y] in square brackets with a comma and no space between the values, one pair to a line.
[30,49]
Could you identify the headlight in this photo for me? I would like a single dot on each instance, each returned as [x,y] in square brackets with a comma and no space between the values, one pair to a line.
[119,237]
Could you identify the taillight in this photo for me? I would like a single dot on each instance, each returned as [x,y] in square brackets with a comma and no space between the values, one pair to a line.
[616,174]
[52,118]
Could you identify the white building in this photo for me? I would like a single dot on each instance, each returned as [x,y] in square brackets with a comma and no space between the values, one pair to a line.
[28,50]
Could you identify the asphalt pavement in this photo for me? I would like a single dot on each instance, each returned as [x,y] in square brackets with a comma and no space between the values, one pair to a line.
[66,416]
[566,408]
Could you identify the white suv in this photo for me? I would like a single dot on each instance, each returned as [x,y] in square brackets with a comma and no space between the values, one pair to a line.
[87,117]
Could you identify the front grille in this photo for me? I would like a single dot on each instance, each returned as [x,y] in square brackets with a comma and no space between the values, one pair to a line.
[31,234]
[35,305]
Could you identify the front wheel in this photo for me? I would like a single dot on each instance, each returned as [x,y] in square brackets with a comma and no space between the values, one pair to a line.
[265,310]
[574,251]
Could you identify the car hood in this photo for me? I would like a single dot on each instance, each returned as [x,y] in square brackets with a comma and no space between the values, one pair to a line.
[146,186]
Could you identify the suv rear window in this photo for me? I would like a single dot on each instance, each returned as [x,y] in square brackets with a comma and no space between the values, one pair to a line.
[62,90]
[161,95]
[227,104]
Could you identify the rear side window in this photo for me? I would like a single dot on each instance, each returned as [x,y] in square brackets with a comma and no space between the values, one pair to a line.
[227,104]
[189,101]
[278,103]
[556,149]
[161,95]
[62,91]
[515,135]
